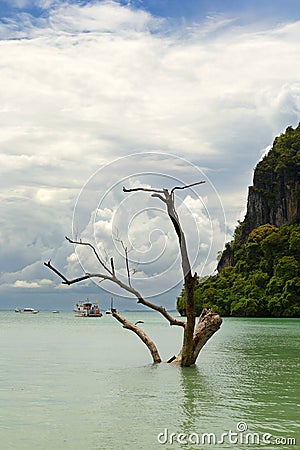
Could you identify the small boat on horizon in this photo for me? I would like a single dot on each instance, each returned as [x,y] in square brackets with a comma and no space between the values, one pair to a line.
[87,309]
[27,310]
[111,309]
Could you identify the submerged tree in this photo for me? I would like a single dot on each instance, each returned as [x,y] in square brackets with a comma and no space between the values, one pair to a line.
[195,334]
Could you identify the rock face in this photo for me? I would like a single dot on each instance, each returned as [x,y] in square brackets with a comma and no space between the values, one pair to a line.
[274,197]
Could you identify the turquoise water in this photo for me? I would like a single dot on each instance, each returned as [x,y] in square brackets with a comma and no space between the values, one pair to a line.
[83,384]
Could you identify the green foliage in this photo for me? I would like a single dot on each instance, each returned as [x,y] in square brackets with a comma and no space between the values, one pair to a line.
[264,282]
[260,233]
[287,267]
[284,153]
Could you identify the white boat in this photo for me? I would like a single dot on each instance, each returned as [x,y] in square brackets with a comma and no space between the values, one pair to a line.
[87,309]
[111,309]
[30,310]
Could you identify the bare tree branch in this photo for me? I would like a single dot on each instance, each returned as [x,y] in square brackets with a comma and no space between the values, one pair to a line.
[78,279]
[94,251]
[48,264]
[186,186]
[127,266]
[141,334]
[163,311]
[160,191]
[112,266]
[126,259]
[159,196]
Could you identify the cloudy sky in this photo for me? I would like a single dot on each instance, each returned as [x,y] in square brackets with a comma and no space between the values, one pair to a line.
[155,93]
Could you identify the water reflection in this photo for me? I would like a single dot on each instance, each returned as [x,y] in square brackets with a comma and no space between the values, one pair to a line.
[249,375]
[197,394]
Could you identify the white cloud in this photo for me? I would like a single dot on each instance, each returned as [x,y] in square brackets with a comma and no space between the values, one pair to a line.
[23,284]
[26,284]
[51,196]
[107,16]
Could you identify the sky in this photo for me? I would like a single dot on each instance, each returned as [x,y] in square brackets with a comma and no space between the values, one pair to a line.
[100,94]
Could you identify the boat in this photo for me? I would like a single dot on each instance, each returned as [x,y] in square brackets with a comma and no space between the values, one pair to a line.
[111,309]
[87,309]
[30,310]
[55,311]
[26,310]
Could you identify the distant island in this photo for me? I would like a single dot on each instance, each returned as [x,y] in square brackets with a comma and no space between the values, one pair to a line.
[259,270]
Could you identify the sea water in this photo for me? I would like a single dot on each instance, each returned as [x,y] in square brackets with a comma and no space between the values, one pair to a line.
[83,384]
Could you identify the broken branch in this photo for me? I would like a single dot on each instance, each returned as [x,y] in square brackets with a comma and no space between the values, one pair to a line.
[141,334]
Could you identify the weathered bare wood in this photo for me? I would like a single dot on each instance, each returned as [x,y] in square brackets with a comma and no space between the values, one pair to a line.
[171,359]
[78,279]
[187,358]
[125,249]
[141,334]
[186,186]
[208,323]
[49,265]
[88,244]
[112,266]
[160,191]
[162,311]
[159,196]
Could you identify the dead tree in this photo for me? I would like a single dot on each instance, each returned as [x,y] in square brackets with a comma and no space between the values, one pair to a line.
[195,335]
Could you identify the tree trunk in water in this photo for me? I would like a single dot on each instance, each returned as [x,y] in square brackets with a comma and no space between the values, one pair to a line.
[187,357]
[208,323]
[194,337]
